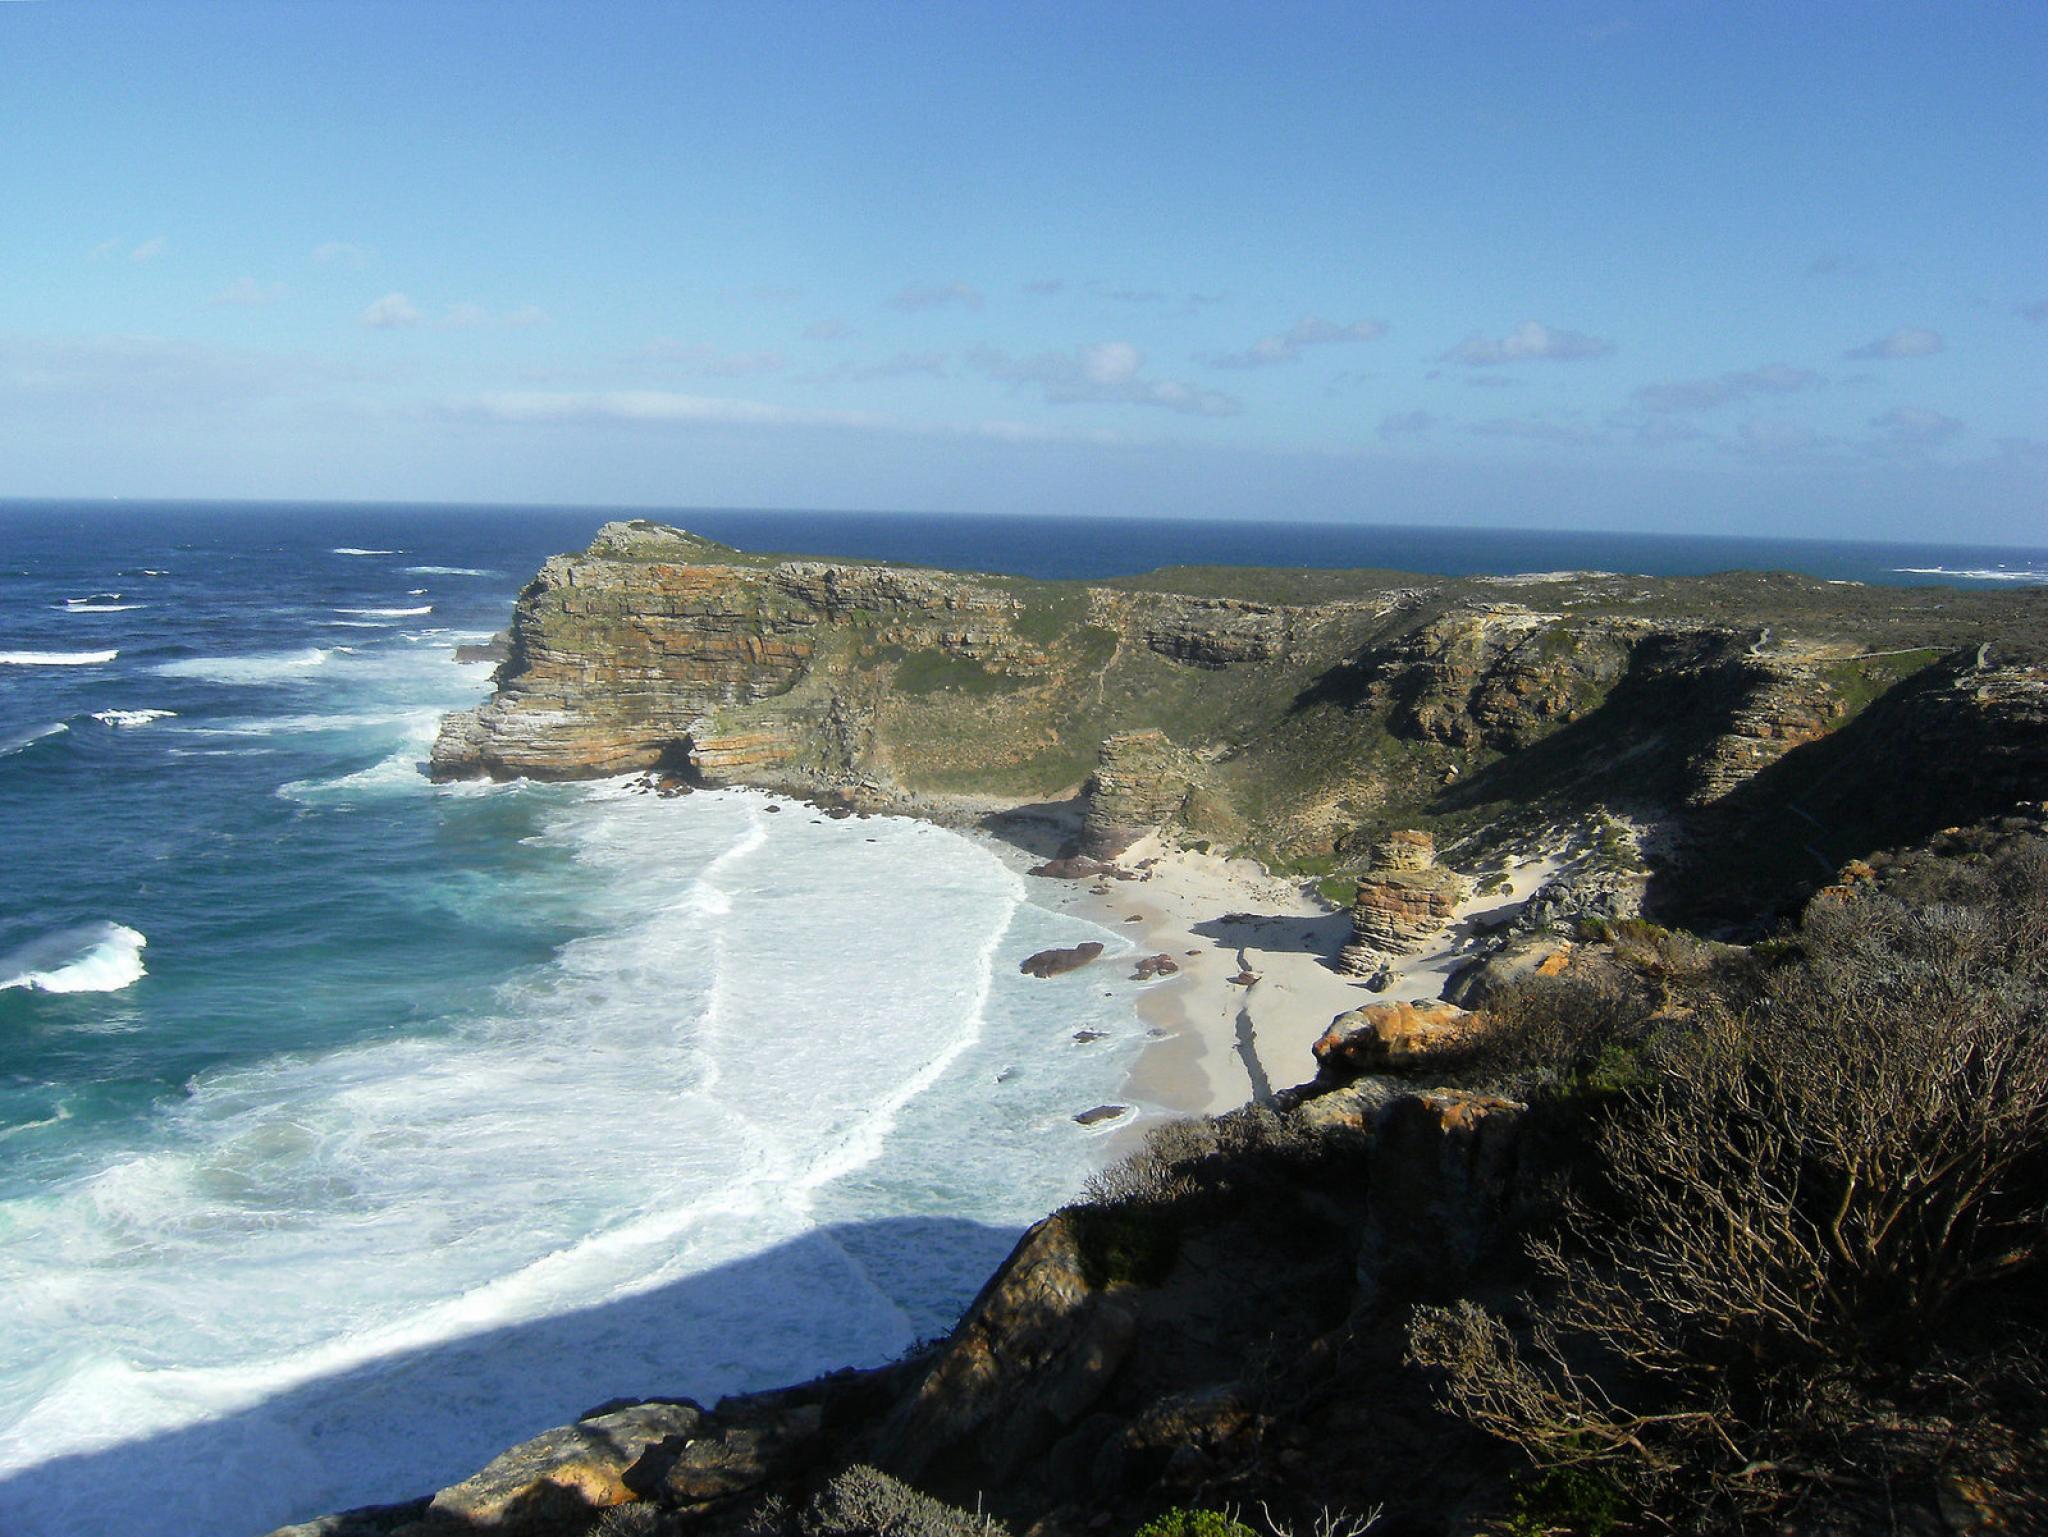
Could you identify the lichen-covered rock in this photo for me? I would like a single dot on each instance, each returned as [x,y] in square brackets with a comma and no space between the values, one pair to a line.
[1499,675]
[1443,1166]
[1140,784]
[562,1473]
[1392,1038]
[1479,981]
[1032,1356]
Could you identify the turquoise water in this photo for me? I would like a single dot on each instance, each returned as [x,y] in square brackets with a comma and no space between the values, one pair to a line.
[356,1127]
[352,1128]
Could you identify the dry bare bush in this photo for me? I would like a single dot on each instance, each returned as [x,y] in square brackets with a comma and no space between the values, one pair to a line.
[1814,1188]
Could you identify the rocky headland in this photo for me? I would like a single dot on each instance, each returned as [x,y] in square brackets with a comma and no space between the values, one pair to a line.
[1471,797]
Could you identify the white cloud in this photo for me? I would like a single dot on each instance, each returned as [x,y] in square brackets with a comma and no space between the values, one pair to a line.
[525,318]
[246,293]
[392,312]
[1906,342]
[936,296]
[1309,331]
[1102,371]
[103,250]
[1529,341]
[340,253]
[1911,427]
[150,249]
[1724,389]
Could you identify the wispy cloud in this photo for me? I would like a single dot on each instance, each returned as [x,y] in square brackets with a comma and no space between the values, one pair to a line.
[1103,371]
[904,365]
[393,312]
[1531,341]
[1915,427]
[936,296]
[703,358]
[525,318]
[1136,295]
[1406,424]
[1770,437]
[664,407]
[826,331]
[2036,312]
[464,317]
[1906,342]
[342,253]
[1045,288]
[246,293]
[1286,346]
[1534,429]
[150,249]
[1724,389]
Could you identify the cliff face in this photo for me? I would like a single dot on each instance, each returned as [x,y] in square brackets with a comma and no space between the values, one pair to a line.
[1297,729]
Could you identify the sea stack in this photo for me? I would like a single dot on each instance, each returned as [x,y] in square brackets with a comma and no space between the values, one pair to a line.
[1403,899]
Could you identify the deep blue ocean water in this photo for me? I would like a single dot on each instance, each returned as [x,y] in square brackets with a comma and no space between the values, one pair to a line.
[352,1128]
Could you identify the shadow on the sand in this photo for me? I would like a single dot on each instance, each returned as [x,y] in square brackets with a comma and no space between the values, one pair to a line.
[1043,829]
[1291,933]
[417,1420]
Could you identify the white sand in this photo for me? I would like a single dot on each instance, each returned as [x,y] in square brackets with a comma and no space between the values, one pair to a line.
[1225,1042]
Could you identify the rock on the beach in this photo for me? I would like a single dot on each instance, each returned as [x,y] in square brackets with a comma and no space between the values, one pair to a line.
[1053,963]
[1071,867]
[1402,900]
[1161,965]
[1100,1113]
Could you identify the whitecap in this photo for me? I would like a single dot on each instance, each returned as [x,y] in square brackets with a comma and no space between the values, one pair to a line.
[56,658]
[272,667]
[11,745]
[416,592]
[124,718]
[356,624]
[91,958]
[349,549]
[446,571]
[78,606]
[389,613]
[1978,573]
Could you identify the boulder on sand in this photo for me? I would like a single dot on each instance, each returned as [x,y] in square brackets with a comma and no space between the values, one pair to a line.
[1053,963]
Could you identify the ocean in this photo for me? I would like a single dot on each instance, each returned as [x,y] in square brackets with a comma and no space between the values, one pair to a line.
[353,1128]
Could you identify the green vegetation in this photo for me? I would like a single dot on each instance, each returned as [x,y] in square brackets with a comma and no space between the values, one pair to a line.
[1129,1245]
[1180,1522]
[928,672]
[1567,1500]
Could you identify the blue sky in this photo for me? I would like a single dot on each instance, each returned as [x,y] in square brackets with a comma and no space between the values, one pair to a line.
[1675,266]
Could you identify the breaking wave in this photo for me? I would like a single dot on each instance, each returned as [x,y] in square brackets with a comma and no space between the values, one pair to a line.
[91,958]
[56,658]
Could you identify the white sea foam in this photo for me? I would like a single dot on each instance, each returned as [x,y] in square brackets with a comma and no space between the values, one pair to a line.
[261,667]
[447,571]
[128,718]
[10,745]
[91,958]
[389,613]
[349,549]
[56,658]
[714,1144]
[358,624]
[100,608]
[1979,573]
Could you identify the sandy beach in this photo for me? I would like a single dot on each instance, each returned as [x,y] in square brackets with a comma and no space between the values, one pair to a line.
[1223,1042]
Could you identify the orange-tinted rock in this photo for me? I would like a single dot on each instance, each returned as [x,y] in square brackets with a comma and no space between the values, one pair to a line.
[1392,1037]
